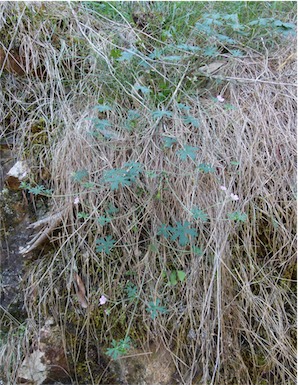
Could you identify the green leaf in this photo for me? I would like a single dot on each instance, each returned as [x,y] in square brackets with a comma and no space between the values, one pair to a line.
[229,107]
[173,278]
[88,184]
[199,214]
[211,51]
[131,291]
[234,163]
[168,141]
[115,53]
[151,174]
[133,114]
[145,90]
[206,168]
[102,126]
[103,107]
[263,21]
[181,275]
[201,27]
[161,114]
[183,106]
[24,185]
[191,120]
[112,209]
[154,308]
[38,190]
[190,48]
[237,216]
[126,55]
[164,231]
[101,123]
[122,176]
[156,54]
[105,244]
[197,251]
[82,215]
[236,52]
[225,39]
[188,151]
[103,220]
[78,176]
[131,121]
[119,348]
[181,233]
[172,58]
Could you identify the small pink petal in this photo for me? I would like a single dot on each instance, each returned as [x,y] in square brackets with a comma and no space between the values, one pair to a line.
[234,197]
[76,200]
[102,300]
[220,98]
[223,188]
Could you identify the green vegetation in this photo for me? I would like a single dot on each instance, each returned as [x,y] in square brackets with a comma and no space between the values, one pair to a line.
[167,141]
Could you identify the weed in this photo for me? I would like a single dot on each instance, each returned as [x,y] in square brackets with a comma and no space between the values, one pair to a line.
[119,348]
[154,309]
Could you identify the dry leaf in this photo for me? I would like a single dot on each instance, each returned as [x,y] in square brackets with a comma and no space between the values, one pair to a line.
[80,290]
[12,62]
[212,67]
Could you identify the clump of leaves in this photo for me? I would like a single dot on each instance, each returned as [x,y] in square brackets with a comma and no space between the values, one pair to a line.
[105,244]
[169,141]
[181,232]
[83,215]
[199,214]
[237,216]
[160,114]
[103,107]
[176,276]
[188,151]
[80,175]
[154,308]
[132,119]
[119,348]
[188,119]
[111,210]
[131,291]
[206,168]
[124,176]
[102,220]
[36,190]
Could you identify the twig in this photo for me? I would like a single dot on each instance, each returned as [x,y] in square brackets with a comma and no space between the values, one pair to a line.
[52,222]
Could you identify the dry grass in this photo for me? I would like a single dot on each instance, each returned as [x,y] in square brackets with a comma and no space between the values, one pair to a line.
[233,320]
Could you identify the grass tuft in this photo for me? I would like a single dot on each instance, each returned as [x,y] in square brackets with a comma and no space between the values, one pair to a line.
[180,214]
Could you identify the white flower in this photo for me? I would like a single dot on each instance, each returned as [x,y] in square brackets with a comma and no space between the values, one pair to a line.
[234,197]
[76,201]
[220,98]
[223,188]
[102,300]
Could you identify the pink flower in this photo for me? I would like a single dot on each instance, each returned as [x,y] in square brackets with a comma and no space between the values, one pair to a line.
[102,300]
[223,188]
[220,98]
[76,201]
[234,197]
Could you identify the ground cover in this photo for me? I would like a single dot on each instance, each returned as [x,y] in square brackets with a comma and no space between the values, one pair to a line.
[164,135]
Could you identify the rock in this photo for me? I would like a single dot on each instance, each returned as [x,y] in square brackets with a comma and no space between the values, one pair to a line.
[16,175]
[48,362]
[156,367]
